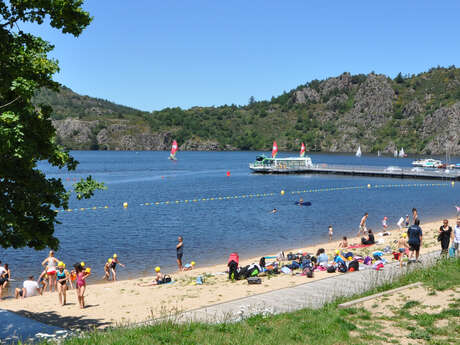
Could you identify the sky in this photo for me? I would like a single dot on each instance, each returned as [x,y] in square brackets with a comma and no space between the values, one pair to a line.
[151,54]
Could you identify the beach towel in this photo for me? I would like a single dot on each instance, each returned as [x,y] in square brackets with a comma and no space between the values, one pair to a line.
[285,270]
[359,246]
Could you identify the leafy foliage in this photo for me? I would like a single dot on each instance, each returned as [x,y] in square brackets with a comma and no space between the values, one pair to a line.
[27,197]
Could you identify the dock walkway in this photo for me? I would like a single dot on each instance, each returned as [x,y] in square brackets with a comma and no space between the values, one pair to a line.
[363,170]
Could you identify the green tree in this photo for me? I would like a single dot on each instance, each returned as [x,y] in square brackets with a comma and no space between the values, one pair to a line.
[27,196]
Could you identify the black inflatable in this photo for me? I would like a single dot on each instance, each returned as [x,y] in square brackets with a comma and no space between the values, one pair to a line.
[305,203]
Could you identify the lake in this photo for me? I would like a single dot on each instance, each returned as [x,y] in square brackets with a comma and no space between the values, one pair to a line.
[145,236]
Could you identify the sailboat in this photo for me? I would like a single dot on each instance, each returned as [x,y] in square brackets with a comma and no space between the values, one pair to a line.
[401,153]
[274,150]
[174,149]
[378,153]
[358,153]
[302,150]
[396,153]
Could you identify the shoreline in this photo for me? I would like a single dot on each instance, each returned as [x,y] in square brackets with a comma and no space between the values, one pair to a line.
[124,302]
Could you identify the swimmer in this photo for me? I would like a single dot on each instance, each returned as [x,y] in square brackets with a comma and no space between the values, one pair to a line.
[62,276]
[274,210]
[113,266]
[300,201]
[159,277]
[50,263]
[402,247]
[343,243]
[81,284]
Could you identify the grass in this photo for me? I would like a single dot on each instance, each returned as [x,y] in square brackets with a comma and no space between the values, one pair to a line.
[328,325]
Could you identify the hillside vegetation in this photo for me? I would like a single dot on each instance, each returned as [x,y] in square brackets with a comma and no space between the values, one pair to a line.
[418,112]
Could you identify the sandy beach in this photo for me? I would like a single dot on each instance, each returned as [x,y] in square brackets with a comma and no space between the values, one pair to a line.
[123,302]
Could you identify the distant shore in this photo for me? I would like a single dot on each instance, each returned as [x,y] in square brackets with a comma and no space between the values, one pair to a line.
[125,302]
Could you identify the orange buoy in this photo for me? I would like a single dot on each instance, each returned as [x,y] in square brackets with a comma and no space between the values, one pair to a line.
[228,173]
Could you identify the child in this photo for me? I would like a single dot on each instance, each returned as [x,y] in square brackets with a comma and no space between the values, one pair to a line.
[159,278]
[73,277]
[114,266]
[189,267]
[62,276]
[331,232]
[400,223]
[343,243]
[42,280]
[81,283]
[384,223]
[107,267]
[402,247]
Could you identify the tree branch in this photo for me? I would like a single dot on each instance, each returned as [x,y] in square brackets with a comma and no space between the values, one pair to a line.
[9,103]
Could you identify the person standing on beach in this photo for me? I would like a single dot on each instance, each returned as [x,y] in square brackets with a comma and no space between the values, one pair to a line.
[113,266]
[456,236]
[402,246]
[50,264]
[407,220]
[385,223]
[415,235]
[362,225]
[400,223]
[414,214]
[331,232]
[180,252]
[445,234]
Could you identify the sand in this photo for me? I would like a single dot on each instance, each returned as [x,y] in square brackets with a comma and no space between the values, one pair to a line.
[125,302]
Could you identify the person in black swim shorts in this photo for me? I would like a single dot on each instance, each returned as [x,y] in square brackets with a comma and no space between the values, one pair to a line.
[415,239]
[180,252]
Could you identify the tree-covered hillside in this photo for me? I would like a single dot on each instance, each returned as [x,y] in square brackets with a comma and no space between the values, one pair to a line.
[418,112]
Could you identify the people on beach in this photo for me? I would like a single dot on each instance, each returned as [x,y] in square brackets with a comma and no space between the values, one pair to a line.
[415,235]
[321,257]
[331,232]
[362,225]
[159,278]
[456,236]
[72,279]
[189,267]
[407,220]
[50,265]
[62,276]
[29,288]
[370,238]
[5,277]
[82,275]
[113,266]
[42,281]
[414,214]
[343,243]
[445,234]
[180,252]
[402,247]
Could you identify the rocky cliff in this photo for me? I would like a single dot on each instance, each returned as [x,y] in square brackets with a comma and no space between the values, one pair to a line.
[418,112]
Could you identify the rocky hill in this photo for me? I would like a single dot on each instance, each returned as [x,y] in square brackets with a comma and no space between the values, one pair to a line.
[418,112]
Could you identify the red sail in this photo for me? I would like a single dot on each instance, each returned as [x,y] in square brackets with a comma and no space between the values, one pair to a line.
[274,149]
[174,148]
[302,150]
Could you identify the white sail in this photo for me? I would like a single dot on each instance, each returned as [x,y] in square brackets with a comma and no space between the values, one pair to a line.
[378,153]
[396,153]
[401,153]
[358,153]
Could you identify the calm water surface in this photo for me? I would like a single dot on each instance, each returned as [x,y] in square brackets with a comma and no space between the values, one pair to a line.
[145,236]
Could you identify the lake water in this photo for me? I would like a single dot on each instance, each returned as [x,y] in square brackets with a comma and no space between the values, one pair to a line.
[145,236]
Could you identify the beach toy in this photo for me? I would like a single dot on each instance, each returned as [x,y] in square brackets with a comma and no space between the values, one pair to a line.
[192,263]
[404,235]
[88,270]
[282,192]
[228,173]
[157,269]
[82,264]
[109,260]
[61,264]
[115,256]
[125,204]
[337,251]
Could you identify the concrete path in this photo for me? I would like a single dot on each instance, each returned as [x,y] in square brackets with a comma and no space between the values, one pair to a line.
[308,295]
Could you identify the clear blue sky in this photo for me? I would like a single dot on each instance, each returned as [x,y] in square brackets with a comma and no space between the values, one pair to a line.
[153,54]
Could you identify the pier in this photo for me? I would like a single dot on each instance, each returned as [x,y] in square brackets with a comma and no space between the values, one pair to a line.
[359,170]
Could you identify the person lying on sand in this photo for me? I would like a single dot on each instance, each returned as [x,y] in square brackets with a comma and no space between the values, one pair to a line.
[189,267]
[343,243]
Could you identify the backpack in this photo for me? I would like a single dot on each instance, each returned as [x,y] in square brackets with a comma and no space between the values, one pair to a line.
[330,269]
[254,280]
[367,260]
[342,267]
[291,256]
[167,279]
[262,262]
[354,264]
[233,271]
[308,272]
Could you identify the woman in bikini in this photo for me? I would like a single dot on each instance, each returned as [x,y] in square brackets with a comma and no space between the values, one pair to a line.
[50,264]
[81,284]
[62,276]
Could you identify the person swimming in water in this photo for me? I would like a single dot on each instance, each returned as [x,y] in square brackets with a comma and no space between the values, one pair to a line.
[113,267]
[62,276]
[50,264]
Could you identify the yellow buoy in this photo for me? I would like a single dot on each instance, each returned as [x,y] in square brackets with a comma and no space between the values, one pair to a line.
[368,186]
[282,192]
[125,204]
[453,183]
